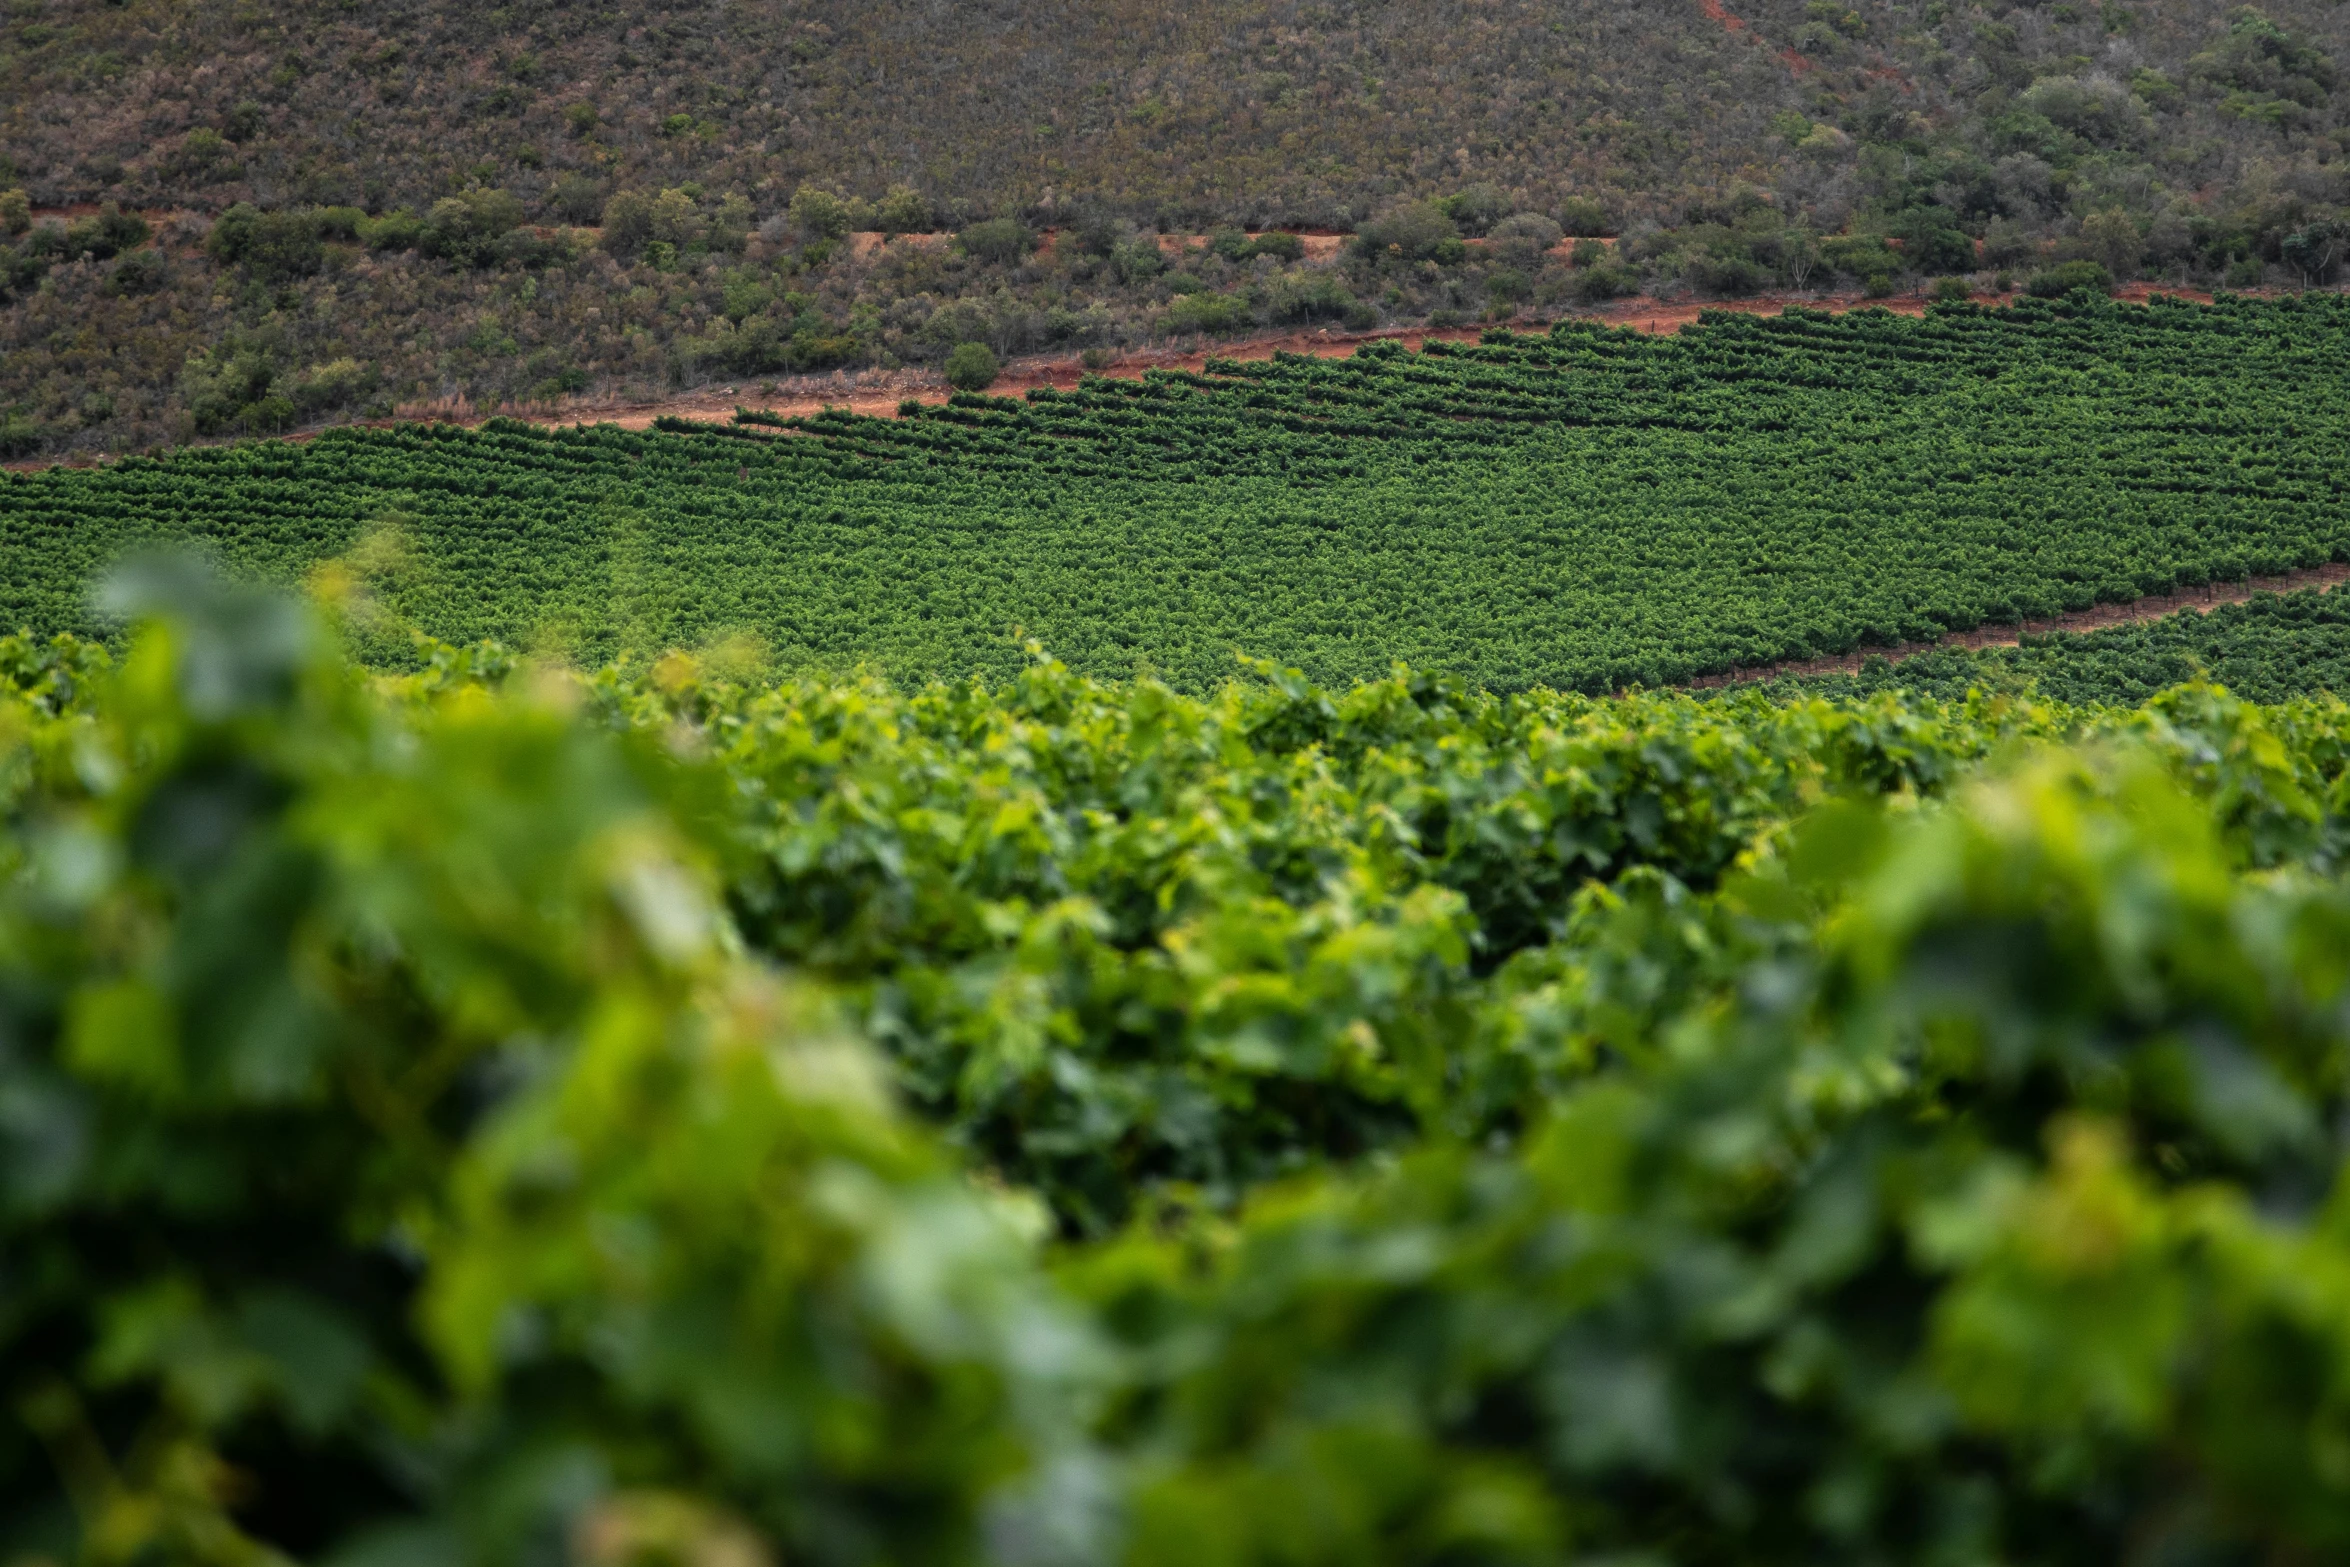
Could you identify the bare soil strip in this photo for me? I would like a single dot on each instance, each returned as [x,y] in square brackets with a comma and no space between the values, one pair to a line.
[2154,606]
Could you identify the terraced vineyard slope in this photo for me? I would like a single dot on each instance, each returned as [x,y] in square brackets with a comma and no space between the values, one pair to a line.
[1583,510]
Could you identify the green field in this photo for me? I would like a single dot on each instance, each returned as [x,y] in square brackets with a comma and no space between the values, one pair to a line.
[1584,510]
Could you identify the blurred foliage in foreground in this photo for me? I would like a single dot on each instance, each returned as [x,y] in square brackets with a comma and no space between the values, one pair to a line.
[495,1116]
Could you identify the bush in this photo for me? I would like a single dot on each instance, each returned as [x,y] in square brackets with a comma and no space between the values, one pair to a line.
[819,214]
[1585,217]
[1604,281]
[1476,208]
[468,229]
[140,272]
[398,229]
[2057,281]
[1415,231]
[1314,298]
[1282,247]
[275,246]
[1951,290]
[16,212]
[1215,314]
[576,198]
[903,211]
[1523,238]
[998,241]
[1137,261]
[971,367]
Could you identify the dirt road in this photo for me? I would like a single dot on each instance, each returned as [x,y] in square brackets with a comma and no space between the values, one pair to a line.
[2154,606]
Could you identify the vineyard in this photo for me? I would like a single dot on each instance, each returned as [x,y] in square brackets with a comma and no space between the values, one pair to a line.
[1584,510]
[494,1113]
[2267,649]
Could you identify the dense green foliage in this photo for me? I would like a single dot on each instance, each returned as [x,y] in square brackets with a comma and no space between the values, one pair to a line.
[426,181]
[451,1118]
[1583,510]
[2267,649]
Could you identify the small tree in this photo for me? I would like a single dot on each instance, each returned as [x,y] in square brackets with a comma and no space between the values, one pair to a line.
[971,367]
[16,212]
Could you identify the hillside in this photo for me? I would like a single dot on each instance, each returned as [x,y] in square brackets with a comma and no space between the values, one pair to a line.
[427,202]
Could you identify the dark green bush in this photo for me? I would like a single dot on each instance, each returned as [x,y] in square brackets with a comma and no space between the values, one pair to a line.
[2057,281]
[998,241]
[970,367]
[1415,231]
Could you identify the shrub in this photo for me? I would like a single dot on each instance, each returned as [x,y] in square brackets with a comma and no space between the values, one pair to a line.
[998,241]
[628,223]
[1415,231]
[16,212]
[902,211]
[1586,253]
[398,229]
[1604,281]
[1933,243]
[1137,261]
[275,246]
[139,272]
[1477,208]
[576,198]
[971,367]
[1214,314]
[1950,290]
[467,229]
[1282,247]
[1318,297]
[1878,285]
[1231,244]
[1523,238]
[1585,217]
[2057,281]
[818,213]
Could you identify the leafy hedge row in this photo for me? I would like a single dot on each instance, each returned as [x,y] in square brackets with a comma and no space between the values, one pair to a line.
[489,1116]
